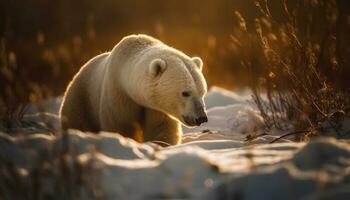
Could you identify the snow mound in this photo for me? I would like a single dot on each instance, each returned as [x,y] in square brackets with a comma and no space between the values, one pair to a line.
[249,120]
[217,96]
[109,166]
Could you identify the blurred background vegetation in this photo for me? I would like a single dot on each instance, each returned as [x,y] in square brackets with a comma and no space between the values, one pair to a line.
[43,43]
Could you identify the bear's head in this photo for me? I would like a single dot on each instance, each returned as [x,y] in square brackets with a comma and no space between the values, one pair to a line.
[176,86]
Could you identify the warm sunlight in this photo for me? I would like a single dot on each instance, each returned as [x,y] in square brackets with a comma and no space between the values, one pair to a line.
[151,99]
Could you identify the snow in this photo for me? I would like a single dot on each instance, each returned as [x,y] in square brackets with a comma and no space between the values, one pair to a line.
[213,162]
[217,96]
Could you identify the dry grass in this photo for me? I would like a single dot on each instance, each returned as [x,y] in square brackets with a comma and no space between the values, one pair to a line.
[300,65]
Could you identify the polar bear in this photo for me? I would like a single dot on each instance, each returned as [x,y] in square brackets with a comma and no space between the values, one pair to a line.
[142,89]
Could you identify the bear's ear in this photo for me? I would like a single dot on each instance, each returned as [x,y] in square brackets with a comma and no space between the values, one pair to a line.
[157,67]
[198,61]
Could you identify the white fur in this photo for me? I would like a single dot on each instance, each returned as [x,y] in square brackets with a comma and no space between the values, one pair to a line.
[135,87]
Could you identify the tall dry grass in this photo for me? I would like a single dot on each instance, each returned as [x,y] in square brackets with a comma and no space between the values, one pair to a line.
[301,64]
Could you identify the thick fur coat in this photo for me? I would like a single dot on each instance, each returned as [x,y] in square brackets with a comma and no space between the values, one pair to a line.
[142,89]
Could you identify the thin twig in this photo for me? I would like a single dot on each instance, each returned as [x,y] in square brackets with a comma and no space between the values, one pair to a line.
[161,143]
[288,134]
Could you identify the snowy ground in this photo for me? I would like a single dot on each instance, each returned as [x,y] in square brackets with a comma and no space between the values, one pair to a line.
[214,161]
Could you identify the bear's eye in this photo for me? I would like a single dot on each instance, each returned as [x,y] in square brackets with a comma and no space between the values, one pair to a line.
[186,94]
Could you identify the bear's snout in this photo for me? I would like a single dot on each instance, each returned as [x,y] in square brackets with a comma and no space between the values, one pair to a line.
[201,119]
[195,121]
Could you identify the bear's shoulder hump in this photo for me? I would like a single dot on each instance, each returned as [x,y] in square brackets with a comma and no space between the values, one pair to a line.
[139,40]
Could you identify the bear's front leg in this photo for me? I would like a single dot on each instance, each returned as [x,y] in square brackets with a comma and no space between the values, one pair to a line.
[161,129]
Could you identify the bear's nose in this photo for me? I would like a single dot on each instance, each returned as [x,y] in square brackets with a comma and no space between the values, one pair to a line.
[201,120]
